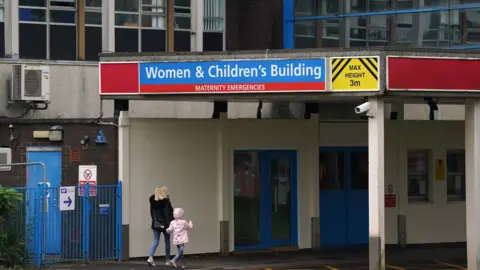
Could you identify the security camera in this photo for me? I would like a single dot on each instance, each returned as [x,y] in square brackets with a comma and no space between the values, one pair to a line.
[362,108]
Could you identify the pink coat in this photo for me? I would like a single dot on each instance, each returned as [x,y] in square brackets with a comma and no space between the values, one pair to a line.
[179,227]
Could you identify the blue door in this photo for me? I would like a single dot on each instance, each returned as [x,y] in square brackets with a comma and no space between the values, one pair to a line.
[50,220]
[265,201]
[343,196]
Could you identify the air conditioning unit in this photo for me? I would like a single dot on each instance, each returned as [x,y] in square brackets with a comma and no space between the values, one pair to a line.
[5,158]
[30,83]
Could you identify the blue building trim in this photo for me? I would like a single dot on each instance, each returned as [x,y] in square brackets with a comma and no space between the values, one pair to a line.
[288,24]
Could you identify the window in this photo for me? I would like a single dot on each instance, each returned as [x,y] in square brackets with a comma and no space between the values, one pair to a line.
[472,30]
[182,25]
[140,25]
[317,33]
[456,175]
[93,29]
[369,31]
[2,29]
[48,29]
[213,23]
[418,175]
[332,171]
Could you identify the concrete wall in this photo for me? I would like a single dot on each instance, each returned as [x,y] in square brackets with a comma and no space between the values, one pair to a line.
[183,155]
[73,88]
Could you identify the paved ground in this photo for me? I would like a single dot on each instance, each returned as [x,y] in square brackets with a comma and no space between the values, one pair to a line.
[410,259]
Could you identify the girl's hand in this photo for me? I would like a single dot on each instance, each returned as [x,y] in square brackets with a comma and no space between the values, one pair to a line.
[190,224]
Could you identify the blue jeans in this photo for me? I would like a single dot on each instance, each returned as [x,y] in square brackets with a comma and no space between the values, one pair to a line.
[156,241]
[179,255]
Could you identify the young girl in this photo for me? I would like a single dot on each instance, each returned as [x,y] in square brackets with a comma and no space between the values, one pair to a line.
[179,227]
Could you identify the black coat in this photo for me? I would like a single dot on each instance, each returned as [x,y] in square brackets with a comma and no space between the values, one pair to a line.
[161,211]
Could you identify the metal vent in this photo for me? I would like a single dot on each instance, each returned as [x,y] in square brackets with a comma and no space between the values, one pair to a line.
[33,83]
[16,82]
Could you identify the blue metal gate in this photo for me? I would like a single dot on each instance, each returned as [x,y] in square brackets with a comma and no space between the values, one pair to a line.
[91,231]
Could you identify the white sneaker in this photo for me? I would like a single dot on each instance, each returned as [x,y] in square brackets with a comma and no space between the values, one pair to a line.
[167,262]
[174,263]
[151,262]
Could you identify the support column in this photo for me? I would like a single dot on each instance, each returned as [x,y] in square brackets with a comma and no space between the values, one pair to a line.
[81,30]
[376,183]
[344,38]
[314,183]
[108,26]
[124,177]
[170,25]
[12,47]
[223,161]
[472,173]
[196,42]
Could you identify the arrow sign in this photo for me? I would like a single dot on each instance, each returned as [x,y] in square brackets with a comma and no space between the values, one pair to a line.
[66,202]
[69,201]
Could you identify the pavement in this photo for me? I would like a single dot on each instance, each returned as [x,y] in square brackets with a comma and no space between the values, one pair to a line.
[409,259]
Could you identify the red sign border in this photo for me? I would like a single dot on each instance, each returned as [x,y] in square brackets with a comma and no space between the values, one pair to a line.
[388,89]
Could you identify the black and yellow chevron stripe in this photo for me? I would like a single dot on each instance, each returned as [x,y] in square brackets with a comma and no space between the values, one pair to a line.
[369,63]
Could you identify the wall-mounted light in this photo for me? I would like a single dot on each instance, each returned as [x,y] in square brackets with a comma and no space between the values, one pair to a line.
[85,142]
[55,134]
[12,134]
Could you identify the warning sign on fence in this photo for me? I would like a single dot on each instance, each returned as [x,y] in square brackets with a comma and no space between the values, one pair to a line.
[87,174]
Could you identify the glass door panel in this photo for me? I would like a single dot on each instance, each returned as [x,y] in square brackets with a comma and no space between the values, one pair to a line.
[357,202]
[280,188]
[247,205]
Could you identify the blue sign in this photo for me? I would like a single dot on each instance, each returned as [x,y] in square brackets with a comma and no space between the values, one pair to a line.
[46,187]
[104,209]
[100,139]
[233,76]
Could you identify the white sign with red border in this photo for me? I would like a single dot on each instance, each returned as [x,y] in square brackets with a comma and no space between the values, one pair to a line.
[87,174]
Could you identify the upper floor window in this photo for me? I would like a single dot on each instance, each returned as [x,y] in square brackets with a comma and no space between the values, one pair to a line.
[140,25]
[213,25]
[213,15]
[48,29]
[456,175]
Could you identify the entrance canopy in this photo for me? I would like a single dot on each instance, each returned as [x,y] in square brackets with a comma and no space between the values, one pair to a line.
[288,74]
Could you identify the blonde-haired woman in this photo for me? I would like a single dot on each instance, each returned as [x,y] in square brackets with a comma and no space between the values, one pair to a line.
[161,212]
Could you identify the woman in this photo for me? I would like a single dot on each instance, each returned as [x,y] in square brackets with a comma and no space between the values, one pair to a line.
[161,211]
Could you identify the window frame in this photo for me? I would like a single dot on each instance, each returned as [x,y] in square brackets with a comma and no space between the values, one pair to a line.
[412,199]
[140,13]
[93,9]
[456,197]
[48,8]
[213,18]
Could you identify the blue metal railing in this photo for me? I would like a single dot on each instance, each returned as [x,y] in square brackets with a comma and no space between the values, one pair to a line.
[90,231]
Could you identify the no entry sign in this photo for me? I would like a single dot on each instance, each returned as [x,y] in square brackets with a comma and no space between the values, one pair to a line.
[87,174]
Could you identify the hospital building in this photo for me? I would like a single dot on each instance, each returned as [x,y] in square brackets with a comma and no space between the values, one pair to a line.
[275,124]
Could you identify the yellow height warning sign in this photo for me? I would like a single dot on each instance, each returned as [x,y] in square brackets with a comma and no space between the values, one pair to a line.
[354,74]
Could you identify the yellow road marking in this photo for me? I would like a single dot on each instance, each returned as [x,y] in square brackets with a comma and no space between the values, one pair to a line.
[452,265]
[331,267]
[394,267]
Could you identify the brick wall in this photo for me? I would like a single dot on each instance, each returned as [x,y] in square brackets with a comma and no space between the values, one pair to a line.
[254,24]
[102,155]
